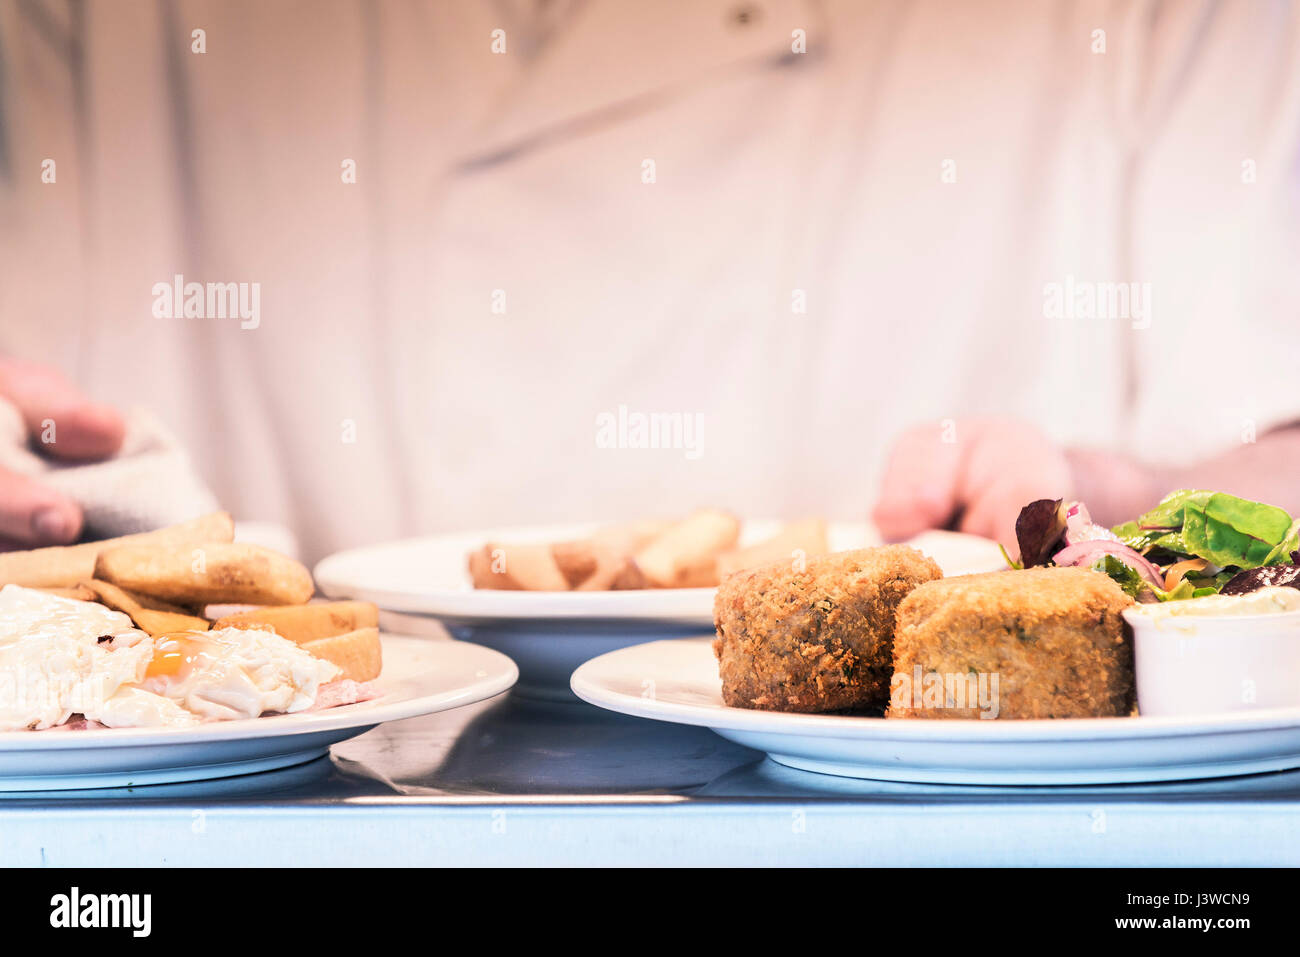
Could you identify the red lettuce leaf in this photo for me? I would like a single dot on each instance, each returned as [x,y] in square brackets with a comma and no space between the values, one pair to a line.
[1039,529]
[1253,579]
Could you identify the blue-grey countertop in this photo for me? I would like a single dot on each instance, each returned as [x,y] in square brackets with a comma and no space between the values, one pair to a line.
[521,781]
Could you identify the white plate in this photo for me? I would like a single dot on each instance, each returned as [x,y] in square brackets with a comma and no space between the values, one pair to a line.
[677,681]
[428,576]
[419,677]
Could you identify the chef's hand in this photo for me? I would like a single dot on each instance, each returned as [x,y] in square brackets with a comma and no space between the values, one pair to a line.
[80,430]
[972,475]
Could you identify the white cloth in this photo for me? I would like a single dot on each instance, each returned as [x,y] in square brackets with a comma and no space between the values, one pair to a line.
[381,394]
[150,483]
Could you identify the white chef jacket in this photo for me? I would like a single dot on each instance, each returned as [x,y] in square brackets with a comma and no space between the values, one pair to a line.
[776,231]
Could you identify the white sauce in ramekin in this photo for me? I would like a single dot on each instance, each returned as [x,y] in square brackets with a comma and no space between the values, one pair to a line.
[1266,601]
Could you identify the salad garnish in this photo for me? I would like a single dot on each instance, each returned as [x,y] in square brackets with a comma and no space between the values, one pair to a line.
[1194,542]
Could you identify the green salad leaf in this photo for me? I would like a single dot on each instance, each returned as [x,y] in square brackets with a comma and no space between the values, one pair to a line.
[1134,585]
[1161,527]
[1169,512]
[1131,534]
[1123,575]
[1184,589]
[1227,530]
[1280,555]
[1171,545]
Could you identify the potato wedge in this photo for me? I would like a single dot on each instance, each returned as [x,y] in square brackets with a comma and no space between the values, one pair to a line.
[588,565]
[66,565]
[685,555]
[358,653]
[206,574]
[577,561]
[304,623]
[615,572]
[516,568]
[149,614]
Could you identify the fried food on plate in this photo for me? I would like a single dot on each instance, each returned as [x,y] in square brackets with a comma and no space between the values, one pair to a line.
[149,614]
[357,653]
[304,623]
[797,540]
[207,574]
[814,637]
[579,565]
[127,633]
[576,561]
[66,565]
[516,568]
[695,552]
[1053,637]
[590,566]
[685,554]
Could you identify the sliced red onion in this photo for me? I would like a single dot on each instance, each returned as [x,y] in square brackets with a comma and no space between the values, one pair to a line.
[1090,551]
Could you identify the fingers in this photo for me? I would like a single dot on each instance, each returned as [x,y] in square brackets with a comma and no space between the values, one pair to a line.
[994,516]
[976,474]
[918,491]
[1009,465]
[32,514]
[64,423]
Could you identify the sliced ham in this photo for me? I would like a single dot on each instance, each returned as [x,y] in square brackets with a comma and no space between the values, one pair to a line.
[343,691]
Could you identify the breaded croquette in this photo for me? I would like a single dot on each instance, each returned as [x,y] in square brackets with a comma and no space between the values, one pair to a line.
[1049,642]
[814,636]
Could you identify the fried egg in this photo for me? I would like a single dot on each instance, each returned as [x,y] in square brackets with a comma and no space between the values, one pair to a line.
[60,657]
[235,673]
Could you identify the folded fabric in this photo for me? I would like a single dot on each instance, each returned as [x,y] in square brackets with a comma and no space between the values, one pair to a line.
[148,484]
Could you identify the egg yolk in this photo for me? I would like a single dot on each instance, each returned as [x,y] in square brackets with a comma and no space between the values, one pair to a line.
[174,654]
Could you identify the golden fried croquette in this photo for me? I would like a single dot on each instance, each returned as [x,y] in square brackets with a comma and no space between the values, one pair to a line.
[815,639]
[1046,642]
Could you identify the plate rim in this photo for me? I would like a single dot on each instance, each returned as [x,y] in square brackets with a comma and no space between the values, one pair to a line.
[950,730]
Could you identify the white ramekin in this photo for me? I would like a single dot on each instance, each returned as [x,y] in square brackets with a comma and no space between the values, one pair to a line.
[1211,664]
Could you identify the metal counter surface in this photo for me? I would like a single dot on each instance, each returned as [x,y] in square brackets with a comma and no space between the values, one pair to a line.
[519,781]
